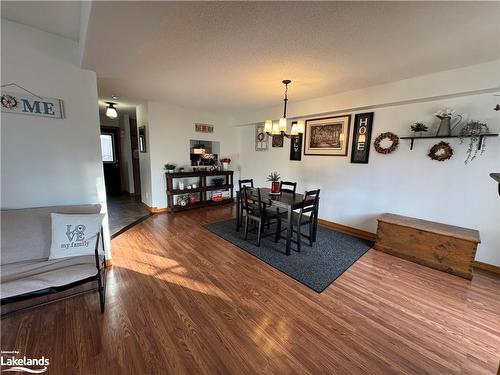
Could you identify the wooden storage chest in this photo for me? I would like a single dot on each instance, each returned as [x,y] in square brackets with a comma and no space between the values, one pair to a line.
[444,247]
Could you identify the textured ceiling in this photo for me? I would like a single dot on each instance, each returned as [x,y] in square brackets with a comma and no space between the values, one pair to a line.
[234,55]
[227,56]
[57,17]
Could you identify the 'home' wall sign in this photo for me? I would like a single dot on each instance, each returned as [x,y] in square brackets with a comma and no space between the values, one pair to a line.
[28,104]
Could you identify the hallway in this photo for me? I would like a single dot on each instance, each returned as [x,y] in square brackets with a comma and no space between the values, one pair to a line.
[124,211]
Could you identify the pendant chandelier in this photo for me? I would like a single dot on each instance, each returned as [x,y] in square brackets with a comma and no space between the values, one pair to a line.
[280,127]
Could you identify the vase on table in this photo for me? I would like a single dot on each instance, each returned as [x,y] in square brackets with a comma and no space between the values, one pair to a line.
[225,166]
[275,187]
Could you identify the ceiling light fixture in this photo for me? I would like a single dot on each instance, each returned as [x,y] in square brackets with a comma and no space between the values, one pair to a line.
[280,127]
[111,110]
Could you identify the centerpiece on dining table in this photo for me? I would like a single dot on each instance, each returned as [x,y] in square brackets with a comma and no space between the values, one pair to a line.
[274,177]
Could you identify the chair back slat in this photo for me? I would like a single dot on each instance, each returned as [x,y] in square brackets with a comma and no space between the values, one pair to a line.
[288,187]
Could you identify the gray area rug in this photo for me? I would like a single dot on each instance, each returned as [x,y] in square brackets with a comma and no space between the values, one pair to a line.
[316,267]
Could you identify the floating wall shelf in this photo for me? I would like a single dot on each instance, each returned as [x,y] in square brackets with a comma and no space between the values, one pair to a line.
[479,144]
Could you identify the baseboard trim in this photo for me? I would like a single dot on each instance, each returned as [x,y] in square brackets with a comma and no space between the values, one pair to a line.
[487,267]
[155,210]
[369,236]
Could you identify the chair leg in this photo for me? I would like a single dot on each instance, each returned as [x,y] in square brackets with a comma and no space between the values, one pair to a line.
[311,230]
[278,231]
[101,293]
[259,232]
[246,227]
[298,239]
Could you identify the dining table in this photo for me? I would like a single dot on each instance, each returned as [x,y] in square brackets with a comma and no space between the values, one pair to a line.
[285,202]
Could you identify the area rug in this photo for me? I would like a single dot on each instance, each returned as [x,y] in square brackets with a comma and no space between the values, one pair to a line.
[316,267]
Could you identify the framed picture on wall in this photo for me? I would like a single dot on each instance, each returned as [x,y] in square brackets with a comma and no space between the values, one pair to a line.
[327,136]
[361,137]
[277,140]
[261,138]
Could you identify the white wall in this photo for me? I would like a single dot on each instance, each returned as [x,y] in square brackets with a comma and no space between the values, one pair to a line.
[145,157]
[405,182]
[170,130]
[48,161]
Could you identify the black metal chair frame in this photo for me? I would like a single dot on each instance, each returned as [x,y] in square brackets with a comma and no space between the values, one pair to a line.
[100,277]
[311,219]
[257,212]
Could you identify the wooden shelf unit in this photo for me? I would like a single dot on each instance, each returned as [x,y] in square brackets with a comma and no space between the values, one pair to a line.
[202,188]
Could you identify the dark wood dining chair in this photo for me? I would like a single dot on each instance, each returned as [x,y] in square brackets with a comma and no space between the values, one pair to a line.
[288,187]
[307,215]
[242,183]
[257,212]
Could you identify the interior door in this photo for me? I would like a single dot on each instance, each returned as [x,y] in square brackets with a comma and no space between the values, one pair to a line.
[110,147]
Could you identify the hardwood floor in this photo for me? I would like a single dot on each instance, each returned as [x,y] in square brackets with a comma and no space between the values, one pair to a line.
[181,300]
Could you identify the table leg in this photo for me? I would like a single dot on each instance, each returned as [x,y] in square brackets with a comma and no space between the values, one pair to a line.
[289,231]
[238,212]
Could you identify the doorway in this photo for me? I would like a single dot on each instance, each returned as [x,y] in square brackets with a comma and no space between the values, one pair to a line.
[120,158]
[110,146]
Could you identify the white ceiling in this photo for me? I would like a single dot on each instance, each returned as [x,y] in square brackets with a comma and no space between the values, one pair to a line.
[57,17]
[228,56]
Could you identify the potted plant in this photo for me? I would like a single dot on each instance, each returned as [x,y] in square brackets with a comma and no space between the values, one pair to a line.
[225,163]
[418,128]
[274,177]
[473,130]
[170,168]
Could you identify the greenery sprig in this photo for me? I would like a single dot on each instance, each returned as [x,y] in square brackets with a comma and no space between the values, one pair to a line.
[274,177]
[473,130]
[419,127]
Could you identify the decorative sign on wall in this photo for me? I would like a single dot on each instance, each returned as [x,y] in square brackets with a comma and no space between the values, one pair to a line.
[31,104]
[261,138]
[278,140]
[203,128]
[361,137]
[327,136]
[296,147]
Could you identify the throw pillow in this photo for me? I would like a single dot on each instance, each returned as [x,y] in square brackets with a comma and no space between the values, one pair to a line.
[74,234]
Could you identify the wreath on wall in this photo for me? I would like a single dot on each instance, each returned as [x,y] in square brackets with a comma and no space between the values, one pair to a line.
[9,101]
[441,151]
[386,150]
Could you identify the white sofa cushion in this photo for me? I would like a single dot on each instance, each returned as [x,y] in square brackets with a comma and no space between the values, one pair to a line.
[26,233]
[31,276]
[74,235]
